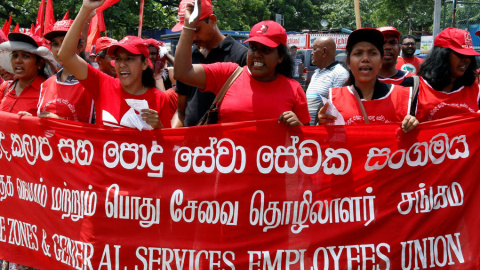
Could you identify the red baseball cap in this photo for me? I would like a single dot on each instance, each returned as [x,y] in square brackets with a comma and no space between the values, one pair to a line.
[206,9]
[477,33]
[152,42]
[456,39]
[268,33]
[60,28]
[103,43]
[390,30]
[132,44]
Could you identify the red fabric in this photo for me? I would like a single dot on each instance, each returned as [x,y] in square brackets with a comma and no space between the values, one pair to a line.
[93,33]
[249,99]
[27,101]
[140,20]
[109,97]
[412,65]
[3,87]
[65,17]
[16,29]
[69,101]
[7,24]
[434,104]
[76,196]
[172,100]
[49,17]
[391,108]
[40,19]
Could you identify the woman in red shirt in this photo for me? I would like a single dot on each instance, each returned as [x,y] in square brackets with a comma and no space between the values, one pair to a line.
[264,89]
[383,103]
[131,99]
[31,64]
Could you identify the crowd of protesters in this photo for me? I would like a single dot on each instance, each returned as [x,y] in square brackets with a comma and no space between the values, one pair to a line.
[136,83]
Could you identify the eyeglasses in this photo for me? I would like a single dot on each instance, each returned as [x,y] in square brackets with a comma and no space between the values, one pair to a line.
[409,44]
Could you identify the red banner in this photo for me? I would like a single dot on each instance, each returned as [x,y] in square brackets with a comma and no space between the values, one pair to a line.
[253,195]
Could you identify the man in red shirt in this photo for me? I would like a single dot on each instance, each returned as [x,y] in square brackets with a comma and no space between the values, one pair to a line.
[388,73]
[409,62]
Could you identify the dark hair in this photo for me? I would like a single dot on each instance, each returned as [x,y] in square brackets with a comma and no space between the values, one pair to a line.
[103,53]
[286,66]
[147,76]
[437,72]
[41,71]
[407,36]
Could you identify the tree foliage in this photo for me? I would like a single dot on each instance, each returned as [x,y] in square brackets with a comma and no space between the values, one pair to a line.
[122,18]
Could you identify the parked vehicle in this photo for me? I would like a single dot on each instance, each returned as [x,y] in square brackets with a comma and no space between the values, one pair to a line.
[309,68]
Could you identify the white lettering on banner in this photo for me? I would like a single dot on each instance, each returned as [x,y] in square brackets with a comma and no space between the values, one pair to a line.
[74,203]
[8,156]
[308,150]
[154,257]
[73,253]
[81,154]
[206,159]
[31,147]
[22,234]
[112,151]
[435,151]
[367,252]
[131,207]
[3,236]
[6,188]
[340,210]
[434,252]
[424,203]
[32,192]
[283,260]
[210,212]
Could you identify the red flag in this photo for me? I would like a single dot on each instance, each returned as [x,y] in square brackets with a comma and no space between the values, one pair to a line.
[32,29]
[93,33]
[65,17]
[6,26]
[40,18]
[49,17]
[107,4]
[16,29]
[140,20]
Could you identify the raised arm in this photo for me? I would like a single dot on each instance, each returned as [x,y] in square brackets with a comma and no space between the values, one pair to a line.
[184,71]
[67,52]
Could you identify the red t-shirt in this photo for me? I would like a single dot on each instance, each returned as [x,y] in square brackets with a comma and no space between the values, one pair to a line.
[27,101]
[412,65]
[172,100]
[393,107]
[110,104]
[434,104]
[68,100]
[249,99]
[397,79]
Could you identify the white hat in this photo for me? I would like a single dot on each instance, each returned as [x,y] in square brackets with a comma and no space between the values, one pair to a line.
[8,47]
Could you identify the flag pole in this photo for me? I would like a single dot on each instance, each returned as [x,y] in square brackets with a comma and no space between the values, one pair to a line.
[358,19]
[140,21]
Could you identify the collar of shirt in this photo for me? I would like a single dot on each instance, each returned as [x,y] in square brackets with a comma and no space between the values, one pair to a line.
[379,90]
[331,66]
[70,78]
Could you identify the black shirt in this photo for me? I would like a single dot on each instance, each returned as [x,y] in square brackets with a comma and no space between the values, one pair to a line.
[379,90]
[199,102]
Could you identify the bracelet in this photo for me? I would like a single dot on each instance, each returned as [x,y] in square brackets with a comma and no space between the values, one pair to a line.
[190,28]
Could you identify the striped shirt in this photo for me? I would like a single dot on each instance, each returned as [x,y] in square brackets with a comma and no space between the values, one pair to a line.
[335,75]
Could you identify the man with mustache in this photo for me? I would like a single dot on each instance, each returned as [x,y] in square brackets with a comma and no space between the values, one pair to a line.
[388,73]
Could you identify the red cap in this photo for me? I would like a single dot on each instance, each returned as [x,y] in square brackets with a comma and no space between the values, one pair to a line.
[103,43]
[206,7]
[152,42]
[133,44]
[477,33]
[456,39]
[60,28]
[268,33]
[390,30]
